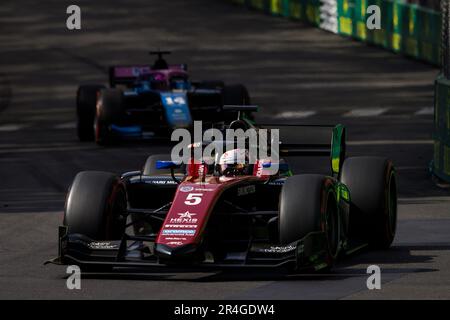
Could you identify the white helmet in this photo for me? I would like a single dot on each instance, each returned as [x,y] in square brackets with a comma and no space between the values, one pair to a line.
[234,163]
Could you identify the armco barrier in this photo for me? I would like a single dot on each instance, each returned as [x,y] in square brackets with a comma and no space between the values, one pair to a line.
[405,28]
[441,136]
[305,10]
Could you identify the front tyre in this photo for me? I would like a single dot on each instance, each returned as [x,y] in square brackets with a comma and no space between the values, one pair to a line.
[96,206]
[308,204]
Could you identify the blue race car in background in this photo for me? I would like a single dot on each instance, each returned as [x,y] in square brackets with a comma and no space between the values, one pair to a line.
[145,101]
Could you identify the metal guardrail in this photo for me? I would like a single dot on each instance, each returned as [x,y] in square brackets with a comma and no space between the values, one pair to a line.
[440,165]
[405,28]
[431,4]
[445,36]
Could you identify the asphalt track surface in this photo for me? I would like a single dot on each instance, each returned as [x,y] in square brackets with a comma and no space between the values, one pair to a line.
[294,72]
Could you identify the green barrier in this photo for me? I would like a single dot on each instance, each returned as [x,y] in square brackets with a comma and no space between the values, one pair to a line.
[279,7]
[405,28]
[441,161]
[305,10]
[359,20]
[345,16]
[257,4]
[312,11]
[429,44]
[276,7]
[410,29]
[296,9]
[383,36]
[376,36]
[397,31]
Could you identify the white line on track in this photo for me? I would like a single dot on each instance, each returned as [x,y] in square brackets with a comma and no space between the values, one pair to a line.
[411,168]
[67,125]
[424,199]
[12,203]
[36,147]
[388,142]
[373,112]
[427,111]
[295,114]
[11,127]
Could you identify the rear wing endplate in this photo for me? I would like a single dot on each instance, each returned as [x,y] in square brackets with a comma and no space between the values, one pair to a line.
[313,140]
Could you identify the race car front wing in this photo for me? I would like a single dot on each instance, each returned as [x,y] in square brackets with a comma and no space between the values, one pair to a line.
[309,253]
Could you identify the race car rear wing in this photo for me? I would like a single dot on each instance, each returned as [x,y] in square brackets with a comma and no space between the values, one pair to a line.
[127,75]
[312,140]
[240,109]
[248,108]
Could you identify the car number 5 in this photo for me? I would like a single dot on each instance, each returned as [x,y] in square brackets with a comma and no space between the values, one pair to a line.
[193,199]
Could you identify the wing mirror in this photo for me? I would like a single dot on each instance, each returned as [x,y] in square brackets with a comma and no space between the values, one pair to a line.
[172,165]
[167,165]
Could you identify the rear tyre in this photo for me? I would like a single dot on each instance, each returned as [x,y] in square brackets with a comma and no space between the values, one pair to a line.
[373,193]
[308,204]
[109,111]
[86,109]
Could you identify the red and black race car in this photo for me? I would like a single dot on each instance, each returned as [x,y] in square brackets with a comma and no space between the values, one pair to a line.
[233,214]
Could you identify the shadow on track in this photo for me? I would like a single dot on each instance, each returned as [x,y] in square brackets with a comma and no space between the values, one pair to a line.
[355,266]
[5,92]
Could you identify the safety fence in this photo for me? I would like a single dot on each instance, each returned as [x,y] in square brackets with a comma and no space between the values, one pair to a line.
[405,28]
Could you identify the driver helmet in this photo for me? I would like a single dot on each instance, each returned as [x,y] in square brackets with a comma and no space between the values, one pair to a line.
[160,64]
[234,163]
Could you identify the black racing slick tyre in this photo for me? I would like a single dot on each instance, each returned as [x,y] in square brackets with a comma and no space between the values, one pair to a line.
[308,204]
[150,165]
[86,109]
[95,206]
[373,193]
[109,111]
